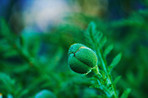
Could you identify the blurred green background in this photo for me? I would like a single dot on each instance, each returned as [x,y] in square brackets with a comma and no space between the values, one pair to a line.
[35,36]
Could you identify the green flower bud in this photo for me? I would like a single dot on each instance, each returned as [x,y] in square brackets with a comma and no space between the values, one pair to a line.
[81,58]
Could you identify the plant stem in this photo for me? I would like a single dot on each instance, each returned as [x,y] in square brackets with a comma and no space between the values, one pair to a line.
[104,65]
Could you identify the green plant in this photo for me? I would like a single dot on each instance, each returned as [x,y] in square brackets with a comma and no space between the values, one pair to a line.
[102,76]
[35,63]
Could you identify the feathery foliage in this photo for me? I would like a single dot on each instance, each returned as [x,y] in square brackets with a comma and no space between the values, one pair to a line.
[34,64]
[97,41]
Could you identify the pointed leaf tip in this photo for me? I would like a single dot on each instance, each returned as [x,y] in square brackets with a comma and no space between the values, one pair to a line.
[115,61]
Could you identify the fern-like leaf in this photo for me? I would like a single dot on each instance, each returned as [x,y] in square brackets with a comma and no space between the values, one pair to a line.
[117,79]
[108,50]
[115,61]
[7,82]
[126,93]
[98,42]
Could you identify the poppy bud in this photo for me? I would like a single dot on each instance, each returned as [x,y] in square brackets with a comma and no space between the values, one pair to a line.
[81,58]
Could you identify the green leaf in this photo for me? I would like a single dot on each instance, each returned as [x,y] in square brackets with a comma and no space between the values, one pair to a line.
[108,50]
[126,93]
[7,81]
[92,27]
[102,42]
[97,42]
[94,38]
[115,61]
[30,42]
[90,33]
[10,53]
[98,36]
[117,79]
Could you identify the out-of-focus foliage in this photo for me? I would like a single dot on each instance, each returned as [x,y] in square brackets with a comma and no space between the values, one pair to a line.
[35,62]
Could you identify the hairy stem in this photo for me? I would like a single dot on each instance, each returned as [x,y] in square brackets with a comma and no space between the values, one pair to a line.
[104,65]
